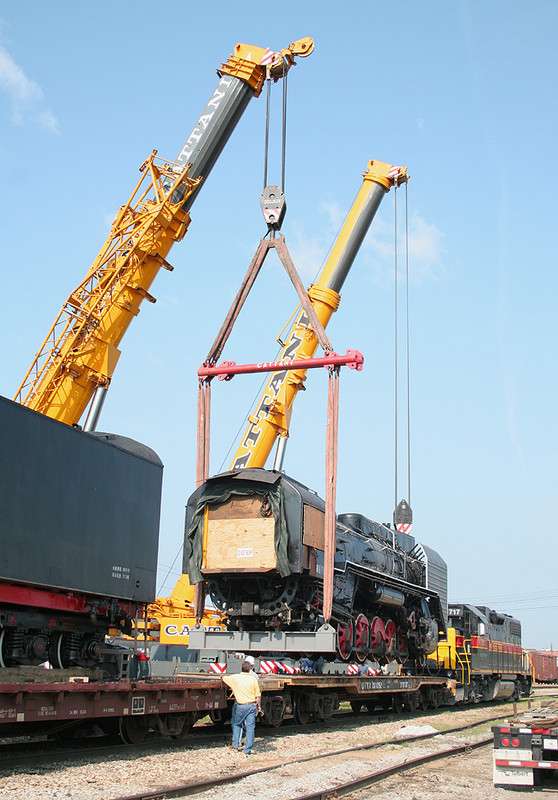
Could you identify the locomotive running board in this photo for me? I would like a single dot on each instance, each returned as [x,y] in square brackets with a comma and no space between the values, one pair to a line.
[322,640]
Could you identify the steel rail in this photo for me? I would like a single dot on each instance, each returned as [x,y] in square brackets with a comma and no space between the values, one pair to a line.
[380,775]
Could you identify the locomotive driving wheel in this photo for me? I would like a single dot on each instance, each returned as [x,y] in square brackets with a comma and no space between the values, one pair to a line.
[345,634]
[377,636]
[362,638]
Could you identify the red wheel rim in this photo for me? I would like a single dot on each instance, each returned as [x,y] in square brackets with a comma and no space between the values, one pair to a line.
[345,632]
[378,633]
[362,637]
[391,630]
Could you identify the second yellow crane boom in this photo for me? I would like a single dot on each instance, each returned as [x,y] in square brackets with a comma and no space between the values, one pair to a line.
[271,416]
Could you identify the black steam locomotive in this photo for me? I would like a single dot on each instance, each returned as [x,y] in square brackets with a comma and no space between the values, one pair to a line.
[256,537]
[79,529]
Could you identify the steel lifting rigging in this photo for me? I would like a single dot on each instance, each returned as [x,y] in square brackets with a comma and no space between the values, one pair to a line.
[318,304]
[79,354]
[270,418]
[402,514]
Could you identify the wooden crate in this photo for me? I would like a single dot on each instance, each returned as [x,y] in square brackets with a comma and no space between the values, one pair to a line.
[238,539]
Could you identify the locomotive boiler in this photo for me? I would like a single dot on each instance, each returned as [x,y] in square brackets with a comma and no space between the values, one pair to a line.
[256,539]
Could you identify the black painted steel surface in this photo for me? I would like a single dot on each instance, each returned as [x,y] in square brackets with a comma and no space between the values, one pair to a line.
[78,511]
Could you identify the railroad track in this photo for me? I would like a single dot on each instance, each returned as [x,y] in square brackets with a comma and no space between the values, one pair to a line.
[338,789]
[47,753]
[43,752]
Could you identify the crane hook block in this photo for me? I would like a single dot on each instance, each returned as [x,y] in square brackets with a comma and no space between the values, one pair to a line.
[274,206]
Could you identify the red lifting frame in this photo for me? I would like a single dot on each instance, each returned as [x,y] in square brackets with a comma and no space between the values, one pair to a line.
[227,369]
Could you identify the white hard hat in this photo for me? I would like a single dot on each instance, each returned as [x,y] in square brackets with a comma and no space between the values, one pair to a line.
[250,660]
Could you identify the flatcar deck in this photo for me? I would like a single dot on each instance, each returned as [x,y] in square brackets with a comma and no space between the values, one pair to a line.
[32,705]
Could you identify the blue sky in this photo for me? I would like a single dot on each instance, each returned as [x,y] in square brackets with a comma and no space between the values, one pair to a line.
[464,95]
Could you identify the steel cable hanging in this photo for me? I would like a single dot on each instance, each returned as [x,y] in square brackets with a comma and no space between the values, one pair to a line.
[408,346]
[407,349]
[267,117]
[283,127]
[395,345]
[284,130]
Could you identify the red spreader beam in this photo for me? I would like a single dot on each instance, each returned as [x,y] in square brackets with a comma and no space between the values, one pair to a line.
[228,369]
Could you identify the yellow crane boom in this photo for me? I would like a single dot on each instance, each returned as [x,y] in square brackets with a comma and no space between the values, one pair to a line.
[80,352]
[271,416]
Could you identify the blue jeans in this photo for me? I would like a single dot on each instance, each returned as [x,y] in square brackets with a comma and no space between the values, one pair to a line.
[244,715]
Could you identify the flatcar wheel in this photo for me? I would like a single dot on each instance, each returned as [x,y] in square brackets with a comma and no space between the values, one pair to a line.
[345,633]
[180,727]
[362,638]
[273,709]
[301,712]
[133,730]
[397,703]
[411,701]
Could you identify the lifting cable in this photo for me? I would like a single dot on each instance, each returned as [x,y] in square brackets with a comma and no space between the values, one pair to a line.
[395,347]
[407,349]
[269,81]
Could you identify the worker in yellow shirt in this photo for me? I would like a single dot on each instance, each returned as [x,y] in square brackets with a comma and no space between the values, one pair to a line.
[247,705]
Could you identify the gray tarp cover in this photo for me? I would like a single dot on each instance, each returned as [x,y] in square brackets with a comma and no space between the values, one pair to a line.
[217,492]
